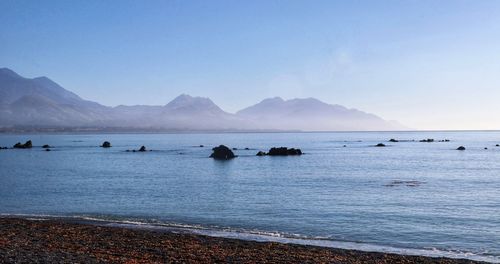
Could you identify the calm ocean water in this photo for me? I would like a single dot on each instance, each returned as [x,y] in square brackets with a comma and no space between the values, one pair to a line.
[409,197]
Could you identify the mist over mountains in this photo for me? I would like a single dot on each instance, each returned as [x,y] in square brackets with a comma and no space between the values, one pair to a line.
[41,103]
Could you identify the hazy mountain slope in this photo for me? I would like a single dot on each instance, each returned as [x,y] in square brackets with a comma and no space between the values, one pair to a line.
[40,102]
[312,115]
[187,112]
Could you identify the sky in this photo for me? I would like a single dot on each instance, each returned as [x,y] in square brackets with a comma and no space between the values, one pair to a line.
[427,64]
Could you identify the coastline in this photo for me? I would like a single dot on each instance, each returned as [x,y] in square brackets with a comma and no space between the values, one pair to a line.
[24,239]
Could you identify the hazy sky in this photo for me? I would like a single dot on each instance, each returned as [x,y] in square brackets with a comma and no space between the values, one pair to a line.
[428,64]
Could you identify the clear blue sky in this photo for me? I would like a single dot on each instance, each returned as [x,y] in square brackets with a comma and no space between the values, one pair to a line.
[428,64]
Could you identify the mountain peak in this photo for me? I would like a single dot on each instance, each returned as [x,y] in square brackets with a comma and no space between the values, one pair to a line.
[185,101]
[8,72]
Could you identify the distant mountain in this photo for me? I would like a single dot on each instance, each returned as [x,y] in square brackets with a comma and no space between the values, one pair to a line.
[41,103]
[312,115]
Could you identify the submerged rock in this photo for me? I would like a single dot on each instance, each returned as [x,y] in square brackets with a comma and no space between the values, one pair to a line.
[3,148]
[380,145]
[26,145]
[47,149]
[106,144]
[411,183]
[222,153]
[46,146]
[283,151]
[141,149]
[461,148]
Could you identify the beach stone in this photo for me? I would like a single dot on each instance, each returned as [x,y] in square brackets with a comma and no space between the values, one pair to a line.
[26,145]
[380,145]
[261,153]
[222,153]
[283,151]
[461,148]
[106,144]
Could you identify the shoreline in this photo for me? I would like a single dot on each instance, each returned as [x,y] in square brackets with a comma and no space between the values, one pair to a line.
[72,240]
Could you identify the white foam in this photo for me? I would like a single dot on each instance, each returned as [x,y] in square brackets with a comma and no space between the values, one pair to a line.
[265,236]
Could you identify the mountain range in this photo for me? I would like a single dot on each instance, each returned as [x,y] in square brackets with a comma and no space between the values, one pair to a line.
[40,103]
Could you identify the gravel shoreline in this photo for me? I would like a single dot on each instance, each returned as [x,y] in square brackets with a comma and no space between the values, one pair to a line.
[62,241]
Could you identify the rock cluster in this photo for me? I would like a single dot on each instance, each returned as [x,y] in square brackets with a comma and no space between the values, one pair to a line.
[26,145]
[282,151]
[427,140]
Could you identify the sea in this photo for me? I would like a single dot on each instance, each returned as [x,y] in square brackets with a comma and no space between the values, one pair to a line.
[409,197]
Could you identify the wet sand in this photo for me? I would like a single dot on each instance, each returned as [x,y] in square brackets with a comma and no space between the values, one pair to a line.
[65,241]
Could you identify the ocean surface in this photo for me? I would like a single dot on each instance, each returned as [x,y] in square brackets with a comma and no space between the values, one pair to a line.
[409,197]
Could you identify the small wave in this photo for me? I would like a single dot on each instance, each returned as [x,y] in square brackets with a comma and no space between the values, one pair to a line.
[261,236]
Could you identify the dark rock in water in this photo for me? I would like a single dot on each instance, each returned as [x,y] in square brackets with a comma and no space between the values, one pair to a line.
[3,148]
[141,149]
[411,183]
[427,140]
[283,151]
[380,145]
[26,145]
[201,146]
[261,153]
[393,140]
[485,148]
[235,148]
[461,148]
[106,144]
[222,153]
[45,146]
[47,149]
[345,146]
[497,145]
[247,149]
